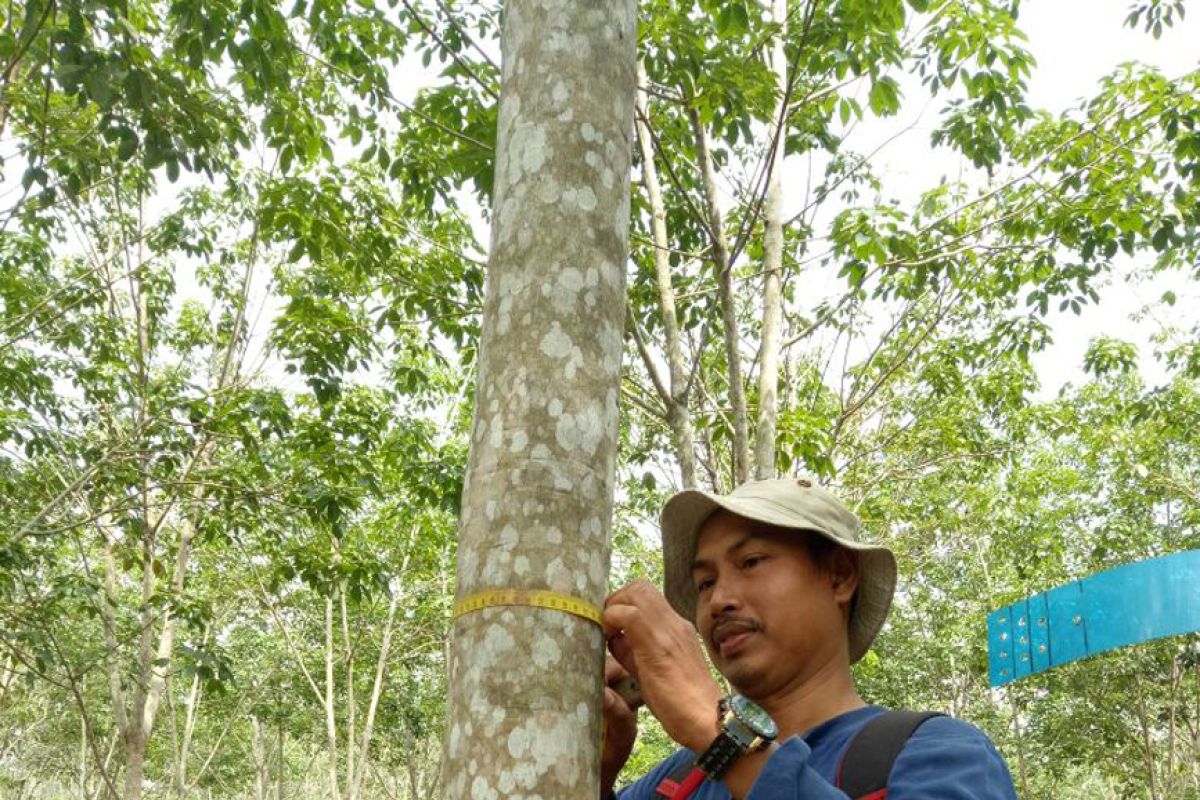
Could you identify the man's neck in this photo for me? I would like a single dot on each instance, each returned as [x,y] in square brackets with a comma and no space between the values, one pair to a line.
[819,697]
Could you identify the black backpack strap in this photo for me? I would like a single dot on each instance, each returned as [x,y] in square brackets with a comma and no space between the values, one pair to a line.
[867,762]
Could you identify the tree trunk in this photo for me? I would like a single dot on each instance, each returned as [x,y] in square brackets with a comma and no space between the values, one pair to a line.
[258,746]
[83,756]
[189,727]
[524,693]
[135,757]
[280,763]
[678,415]
[348,678]
[768,364]
[331,736]
[356,777]
[724,276]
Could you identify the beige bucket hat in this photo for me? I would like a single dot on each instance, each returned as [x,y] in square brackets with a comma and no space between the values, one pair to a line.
[787,503]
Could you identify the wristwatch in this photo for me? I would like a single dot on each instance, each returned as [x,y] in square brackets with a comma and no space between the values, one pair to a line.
[745,728]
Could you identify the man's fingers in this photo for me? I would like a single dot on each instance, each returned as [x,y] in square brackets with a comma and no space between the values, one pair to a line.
[619,679]
[623,619]
[617,712]
[630,691]
[617,617]
[613,671]
[622,653]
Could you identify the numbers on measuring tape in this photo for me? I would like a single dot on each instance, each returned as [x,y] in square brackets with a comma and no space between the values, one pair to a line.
[538,598]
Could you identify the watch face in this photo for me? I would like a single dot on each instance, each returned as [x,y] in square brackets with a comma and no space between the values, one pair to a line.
[752,714]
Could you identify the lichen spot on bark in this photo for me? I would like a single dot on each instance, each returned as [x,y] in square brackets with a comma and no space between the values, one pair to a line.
[497,432]
[482,790]
[558,577]
[535,151]
[591,527]
[596,570]
[546,652]
[581,431]
[585,198]
[509,538]
[556,343]
[497,643]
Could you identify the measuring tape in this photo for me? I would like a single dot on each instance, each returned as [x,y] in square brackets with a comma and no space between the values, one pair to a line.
[538,598]
[544,598]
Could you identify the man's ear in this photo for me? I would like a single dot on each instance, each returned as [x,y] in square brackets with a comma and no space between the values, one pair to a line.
[844,574]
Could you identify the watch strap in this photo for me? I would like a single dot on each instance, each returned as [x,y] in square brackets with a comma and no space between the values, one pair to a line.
[720,755]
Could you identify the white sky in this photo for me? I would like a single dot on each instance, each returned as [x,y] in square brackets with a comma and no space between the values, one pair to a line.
[1075,44]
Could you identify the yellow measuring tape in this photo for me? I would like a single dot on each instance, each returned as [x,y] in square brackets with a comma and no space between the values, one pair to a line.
[538,598]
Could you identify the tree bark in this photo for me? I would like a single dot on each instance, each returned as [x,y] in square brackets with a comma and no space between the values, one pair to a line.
[724,276]
[189,728]
[331,736]
[258,747]
[351,715]
[676,399]
[768,365]
[524,693]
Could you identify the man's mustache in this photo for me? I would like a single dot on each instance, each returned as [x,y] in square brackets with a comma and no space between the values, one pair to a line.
[731,625]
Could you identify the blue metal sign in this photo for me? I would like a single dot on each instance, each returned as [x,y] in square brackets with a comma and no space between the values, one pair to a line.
[1116,608]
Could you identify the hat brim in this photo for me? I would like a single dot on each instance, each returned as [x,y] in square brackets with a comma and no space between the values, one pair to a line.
[682,517]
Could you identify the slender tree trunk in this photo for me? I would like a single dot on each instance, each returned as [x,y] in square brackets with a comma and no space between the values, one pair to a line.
[724,276]
[768,365]
[83,756]
[189,727]
[7,674]
[280,763]
[676,400]
[348,672]
[381,665]
[258,746]
[356,778]
[135,757]
[331,736]
[1019,735]
[524,693]
[1147,745]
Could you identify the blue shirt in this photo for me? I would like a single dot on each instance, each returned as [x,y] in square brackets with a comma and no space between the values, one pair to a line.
[946,759]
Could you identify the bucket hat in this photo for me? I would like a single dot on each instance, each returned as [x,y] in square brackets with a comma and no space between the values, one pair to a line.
[793,503]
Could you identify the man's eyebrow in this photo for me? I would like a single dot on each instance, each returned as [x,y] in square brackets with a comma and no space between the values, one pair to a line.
[704,563]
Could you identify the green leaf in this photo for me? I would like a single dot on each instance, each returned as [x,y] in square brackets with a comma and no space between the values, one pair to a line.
[127,145]
[884,97]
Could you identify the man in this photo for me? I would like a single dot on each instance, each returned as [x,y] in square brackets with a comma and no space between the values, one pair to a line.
[785,597]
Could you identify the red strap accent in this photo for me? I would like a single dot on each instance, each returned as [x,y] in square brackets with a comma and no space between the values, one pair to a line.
[880,795]
[689,785]
[681,790]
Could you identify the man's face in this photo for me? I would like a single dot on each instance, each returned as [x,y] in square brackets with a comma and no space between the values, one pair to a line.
[770,617]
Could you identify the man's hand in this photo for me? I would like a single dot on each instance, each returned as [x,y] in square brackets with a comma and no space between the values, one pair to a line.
[659,648]
[620,726]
